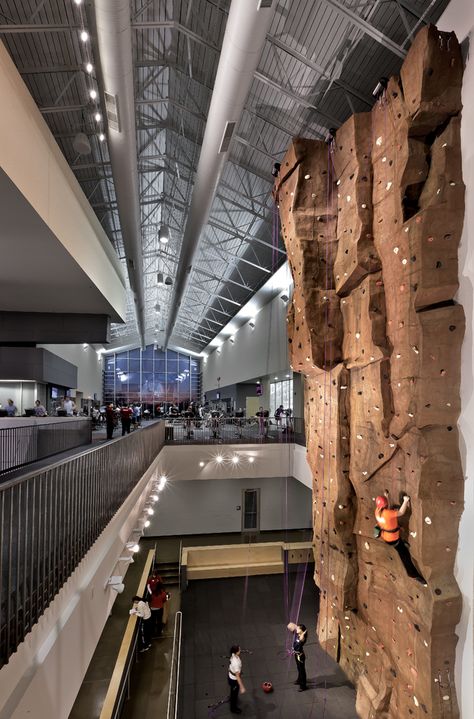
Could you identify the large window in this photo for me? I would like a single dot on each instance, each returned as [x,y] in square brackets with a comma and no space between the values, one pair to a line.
[281,393]
[152,377]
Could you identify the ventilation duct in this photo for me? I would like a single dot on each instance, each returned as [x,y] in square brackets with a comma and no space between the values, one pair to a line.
[244,38]
[114,37]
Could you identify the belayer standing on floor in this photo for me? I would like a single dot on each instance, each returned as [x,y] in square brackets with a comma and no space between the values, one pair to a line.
[234,679]
[299,640]
[142,610]
[389,529]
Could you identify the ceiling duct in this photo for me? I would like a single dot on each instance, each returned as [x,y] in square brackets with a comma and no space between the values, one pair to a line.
[114,38]
[244,38]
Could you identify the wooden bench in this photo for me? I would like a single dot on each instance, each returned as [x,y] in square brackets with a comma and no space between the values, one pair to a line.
[233,560]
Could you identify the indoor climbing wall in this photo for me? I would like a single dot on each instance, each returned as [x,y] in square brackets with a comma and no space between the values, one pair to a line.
[372,220]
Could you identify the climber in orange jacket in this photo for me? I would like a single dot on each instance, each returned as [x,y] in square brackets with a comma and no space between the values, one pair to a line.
[387,522]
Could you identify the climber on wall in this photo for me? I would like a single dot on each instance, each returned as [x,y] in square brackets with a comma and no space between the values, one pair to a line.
[389,529]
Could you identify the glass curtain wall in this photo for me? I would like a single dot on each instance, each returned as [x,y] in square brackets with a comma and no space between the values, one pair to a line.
[281,393]
[153,378]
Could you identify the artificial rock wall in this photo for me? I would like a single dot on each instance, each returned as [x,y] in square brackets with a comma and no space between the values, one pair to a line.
[372,222]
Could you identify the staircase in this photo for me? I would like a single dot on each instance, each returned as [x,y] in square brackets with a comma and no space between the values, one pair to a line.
[169,573]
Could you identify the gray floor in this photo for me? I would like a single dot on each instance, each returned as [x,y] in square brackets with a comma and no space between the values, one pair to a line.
[218,613]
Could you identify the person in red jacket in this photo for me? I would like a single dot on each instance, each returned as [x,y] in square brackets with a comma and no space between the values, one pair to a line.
[387,521]
[157,602]
[126,419]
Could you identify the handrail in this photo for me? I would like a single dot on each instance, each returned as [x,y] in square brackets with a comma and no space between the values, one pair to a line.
[172,712]
[51,516]
[23,444]
[78,455]
[113,699]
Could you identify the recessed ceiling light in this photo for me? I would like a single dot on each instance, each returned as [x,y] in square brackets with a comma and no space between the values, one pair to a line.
[97,117]
[84,36]
[92,94]
[89,67]
[102,137]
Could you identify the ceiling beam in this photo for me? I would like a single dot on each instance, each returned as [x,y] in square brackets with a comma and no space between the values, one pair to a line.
[366,27]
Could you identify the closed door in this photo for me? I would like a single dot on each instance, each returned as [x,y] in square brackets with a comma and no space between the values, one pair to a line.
[251,510]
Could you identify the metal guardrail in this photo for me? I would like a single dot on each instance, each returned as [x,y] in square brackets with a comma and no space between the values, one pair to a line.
[173,704]
[119,686]
[50,518]
[27,443]
[234,430]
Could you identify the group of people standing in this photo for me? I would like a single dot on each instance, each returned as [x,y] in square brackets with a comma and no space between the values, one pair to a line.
[150,610]
[129,415]
[234,676]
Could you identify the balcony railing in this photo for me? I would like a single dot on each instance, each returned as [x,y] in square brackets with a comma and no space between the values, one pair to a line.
[234,430]
[25,442]
[50,518]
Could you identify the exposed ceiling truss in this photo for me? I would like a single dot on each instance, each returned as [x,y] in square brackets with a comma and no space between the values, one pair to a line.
[320,63]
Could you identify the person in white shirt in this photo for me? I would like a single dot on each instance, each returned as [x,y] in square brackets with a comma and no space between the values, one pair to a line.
[235,682]
[69,406]
[143,611]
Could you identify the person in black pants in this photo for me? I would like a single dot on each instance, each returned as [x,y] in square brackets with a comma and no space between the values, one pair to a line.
[110,420]
[299,641]
[234,680]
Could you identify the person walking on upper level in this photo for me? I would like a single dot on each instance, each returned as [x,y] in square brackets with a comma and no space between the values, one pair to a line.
[11,408]
[40,410]
[126,414]
[110,420]
[69,406]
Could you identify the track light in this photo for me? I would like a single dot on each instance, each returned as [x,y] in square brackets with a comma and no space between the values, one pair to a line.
[150,511]
[251,460]
[201,464]
[235,459]
[232,340]
[154,498]
[102,137]
[133,546]
[78,2]
[116,582]
[380,87]
[89,68]
[164,234]
[97,117]
[219,459]
[84,36]
[93,94]
[147,523]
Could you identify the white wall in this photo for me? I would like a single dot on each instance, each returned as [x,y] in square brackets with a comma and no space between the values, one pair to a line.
[254,354]
[43,677]
[215,506]
[182,462]
[89,367]
[459,16]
